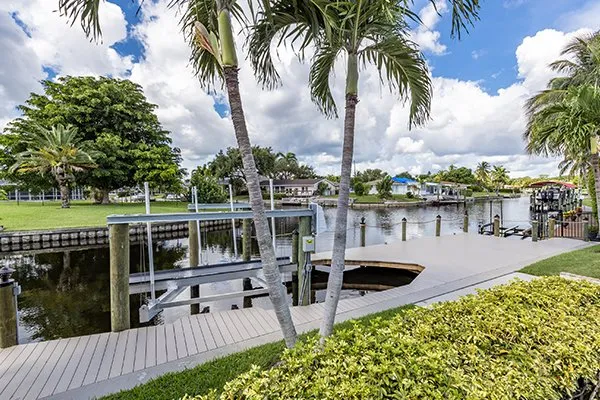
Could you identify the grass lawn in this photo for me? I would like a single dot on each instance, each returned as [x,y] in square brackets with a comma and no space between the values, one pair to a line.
[584,262]
[30,216]
[587,202]
[373,198]
[214,374]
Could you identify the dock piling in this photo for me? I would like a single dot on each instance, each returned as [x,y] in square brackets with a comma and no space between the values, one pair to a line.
[438,225]
[586,230]
[551,227]
[363,232]
[8,309]
[119,277]
[466,222]
[304,229]
[535,227]
[404,229]
[294,260]
[194,262]
[497,225]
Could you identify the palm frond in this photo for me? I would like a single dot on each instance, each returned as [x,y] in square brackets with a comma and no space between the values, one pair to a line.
[320,71]
[404,69]
[84,11]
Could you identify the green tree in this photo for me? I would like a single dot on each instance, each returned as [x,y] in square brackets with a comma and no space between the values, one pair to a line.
[370,175]
[564,119]
[384,187]
[360,188]
[228,164]
[115,117]
[209,189]
[374,32]
[406,175]
[499,177]
[58,152]
[482,173]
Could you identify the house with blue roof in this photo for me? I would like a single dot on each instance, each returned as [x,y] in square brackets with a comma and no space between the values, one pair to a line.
[399,186]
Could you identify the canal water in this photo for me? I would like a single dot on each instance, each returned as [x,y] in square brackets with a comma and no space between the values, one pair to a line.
[66,292]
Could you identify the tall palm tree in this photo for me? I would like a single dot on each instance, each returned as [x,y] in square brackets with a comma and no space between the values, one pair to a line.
[365,32]
[207,26]
[59,152]
[499,177]
[482,173]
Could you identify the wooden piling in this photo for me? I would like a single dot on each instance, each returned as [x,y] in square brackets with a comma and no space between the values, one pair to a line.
[497,225]
[438,225]
[194,262]
[363,233]
[404,229]
[294,260]
[535,233]
[586,230]
[8,315]
[304,229]
[466,222]
[119,277]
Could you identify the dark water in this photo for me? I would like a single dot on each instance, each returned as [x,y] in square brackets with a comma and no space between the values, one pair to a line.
[66,293]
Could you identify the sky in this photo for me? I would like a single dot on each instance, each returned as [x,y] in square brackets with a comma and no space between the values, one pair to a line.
[480,83]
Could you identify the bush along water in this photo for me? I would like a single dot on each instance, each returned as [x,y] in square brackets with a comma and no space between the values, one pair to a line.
[536,340]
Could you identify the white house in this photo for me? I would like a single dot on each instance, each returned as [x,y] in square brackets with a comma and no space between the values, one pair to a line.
[399,186]
[300,187]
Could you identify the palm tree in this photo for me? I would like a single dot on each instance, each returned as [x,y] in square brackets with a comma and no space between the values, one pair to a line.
[58,151]
[482,173]
[207,27]
[499,177]
[365,32]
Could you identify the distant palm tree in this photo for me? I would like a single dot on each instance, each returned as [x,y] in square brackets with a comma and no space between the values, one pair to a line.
[482,173]
[207,26]
[499,177]
[365,32]
[58,151]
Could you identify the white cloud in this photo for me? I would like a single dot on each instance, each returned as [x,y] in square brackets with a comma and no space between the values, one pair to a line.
[587,16]
[468,124]
[424,35]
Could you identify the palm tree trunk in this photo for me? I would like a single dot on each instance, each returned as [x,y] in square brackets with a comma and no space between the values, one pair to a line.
[594,160]
[336,272]
[277,293]
[64,193]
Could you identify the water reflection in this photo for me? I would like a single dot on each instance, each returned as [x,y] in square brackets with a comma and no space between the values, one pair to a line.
[67,293]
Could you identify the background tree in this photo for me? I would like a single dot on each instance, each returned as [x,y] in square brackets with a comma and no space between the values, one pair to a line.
[482,173]
[115,117]
[499,177]
[406,175]
[360,188]
[209,189]
[384,187]
[370,175]
[58,152]
[228,165]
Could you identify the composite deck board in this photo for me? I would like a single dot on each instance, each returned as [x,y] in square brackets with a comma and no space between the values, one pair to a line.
[129,357]
[71,368]
[260,323]
[21,374]
[161,345]
[140,349]
[170,340]
[271,315]
[150,359]
[32,376]
[202,335]
[92,371]
[16,366]
[15,352]
[119,356]
[220,333]
[84,362]
[107,357]
[45,373]
[180,344]
[226,317]
[190,339]
[246,322]
[59,368]
[264,316]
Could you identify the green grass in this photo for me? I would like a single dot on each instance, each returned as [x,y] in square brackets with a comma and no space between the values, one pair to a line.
[373,198]
[214,374]
[31,216]
[587,202]
[584,262]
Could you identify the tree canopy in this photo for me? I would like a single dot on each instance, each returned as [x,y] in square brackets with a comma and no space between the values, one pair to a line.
[114,116]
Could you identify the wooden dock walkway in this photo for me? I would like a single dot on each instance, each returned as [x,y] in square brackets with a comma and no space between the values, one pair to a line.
[88,366]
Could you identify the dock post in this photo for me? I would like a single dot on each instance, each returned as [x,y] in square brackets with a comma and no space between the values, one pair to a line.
[304,282]
[438,225]
[551,227]
[586,230]
[194,262]
[294,260]
[466,222]
[535,231]
[497,225]
[8,309]
[119,277]
[404,229]
[363,232]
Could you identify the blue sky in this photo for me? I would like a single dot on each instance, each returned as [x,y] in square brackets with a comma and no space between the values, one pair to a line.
[480,83]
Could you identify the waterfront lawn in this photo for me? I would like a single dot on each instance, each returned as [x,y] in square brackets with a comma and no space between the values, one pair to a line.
[214,374]
[49,215]
[374,199]
[584,262]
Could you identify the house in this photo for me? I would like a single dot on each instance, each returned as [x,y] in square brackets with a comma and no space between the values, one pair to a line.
[442,189]
[301,187]
[399,186]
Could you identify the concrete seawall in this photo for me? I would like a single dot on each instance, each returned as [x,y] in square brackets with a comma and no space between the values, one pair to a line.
[68,237]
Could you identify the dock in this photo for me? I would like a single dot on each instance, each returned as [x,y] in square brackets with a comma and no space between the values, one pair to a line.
[91,366]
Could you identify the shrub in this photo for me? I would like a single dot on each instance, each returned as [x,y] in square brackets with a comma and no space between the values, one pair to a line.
[384,187]
[360,188]
[410,195]
[3,195]
[468,193]
[534,340]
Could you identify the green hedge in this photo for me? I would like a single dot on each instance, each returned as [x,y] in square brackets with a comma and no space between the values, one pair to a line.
[535,340]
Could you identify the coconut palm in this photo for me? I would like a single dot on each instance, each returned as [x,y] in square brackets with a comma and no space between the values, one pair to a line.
[482,173]
[365,32]
[207,26]
[499,177]
[59,152]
